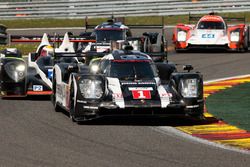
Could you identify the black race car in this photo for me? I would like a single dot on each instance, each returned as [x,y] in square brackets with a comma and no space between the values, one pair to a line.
[111,34]
[13,71]
[21,78]
[124,82]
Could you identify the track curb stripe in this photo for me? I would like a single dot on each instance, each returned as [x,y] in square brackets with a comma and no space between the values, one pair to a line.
[220,132]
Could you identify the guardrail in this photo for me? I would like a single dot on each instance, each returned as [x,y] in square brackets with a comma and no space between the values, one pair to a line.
[118,8]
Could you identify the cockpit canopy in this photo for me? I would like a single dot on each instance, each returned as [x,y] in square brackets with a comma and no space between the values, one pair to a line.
[214,25]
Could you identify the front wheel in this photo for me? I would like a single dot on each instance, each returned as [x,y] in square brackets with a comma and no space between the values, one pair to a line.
[72,104]
[53,97]
[198,114]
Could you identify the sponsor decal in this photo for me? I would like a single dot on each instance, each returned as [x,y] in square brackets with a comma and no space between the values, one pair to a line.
[166,94]
[138,83]
[50,73]
[59,91]
[207,36]
[141,92]
[38,88]
[117,95]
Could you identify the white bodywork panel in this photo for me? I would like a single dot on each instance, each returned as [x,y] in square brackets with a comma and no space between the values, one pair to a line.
[208,37]
[164,95]
[115,87]
[39,71]
[66,45]
[44,42]
[100,47]
[63,89]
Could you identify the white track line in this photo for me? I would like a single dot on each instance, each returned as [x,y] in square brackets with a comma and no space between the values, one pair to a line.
[228,78]
[173,132]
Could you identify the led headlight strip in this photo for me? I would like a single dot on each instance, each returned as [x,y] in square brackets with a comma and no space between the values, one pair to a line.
[91,88]
[181,36]
[189,88]
[15,70]
[235,35]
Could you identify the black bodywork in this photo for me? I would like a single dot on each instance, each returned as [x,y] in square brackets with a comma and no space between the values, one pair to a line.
[82,108]
[12,81]
[18,79]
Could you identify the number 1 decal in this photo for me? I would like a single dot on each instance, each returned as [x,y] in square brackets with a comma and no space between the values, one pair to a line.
[141,94]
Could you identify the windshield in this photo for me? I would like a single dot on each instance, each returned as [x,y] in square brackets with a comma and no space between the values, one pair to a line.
[211,25]
[109,35]
[133,70]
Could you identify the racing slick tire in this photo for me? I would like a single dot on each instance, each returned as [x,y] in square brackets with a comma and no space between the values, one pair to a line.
[246,40]
[72,102]
[198,117]
[53,96]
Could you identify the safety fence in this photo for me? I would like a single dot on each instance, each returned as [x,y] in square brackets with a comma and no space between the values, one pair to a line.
[16,9]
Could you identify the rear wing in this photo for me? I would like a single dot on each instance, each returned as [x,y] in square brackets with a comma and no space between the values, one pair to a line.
[36,38]
[86,57]
[131,26]
[138,44]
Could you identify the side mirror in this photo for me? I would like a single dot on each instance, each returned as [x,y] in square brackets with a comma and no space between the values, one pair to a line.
[188,67]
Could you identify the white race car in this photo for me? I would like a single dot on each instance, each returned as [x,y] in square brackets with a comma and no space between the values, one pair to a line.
[211,32]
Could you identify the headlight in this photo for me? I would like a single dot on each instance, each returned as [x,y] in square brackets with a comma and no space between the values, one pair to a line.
[189,88]
[15,70]
[91,89]
[235,36]
[181,36]
[94,68]
[20,67]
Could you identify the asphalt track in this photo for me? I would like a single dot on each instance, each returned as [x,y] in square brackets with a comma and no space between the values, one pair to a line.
[32,134]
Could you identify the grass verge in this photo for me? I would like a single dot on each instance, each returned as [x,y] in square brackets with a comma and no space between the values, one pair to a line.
[232,105]
[144,20]
[24,48]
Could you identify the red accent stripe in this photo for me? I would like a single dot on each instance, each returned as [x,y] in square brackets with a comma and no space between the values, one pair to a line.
[125,61]
[210,91]
[39,93]
[223,136]
[39,40]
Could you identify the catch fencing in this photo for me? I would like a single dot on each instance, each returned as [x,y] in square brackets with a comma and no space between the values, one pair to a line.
[31,9]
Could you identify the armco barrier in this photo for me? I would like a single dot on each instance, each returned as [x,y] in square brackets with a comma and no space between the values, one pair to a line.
[118,8]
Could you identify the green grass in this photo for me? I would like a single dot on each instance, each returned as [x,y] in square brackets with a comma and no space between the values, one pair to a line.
[24,48]
[45,23]
[232,105]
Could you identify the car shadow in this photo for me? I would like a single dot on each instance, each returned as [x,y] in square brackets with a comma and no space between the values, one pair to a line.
[30,98]
[170,120]
[148,121]
[208,51]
